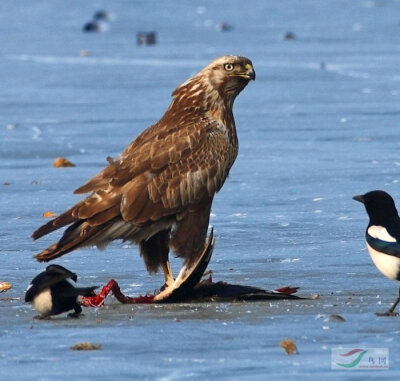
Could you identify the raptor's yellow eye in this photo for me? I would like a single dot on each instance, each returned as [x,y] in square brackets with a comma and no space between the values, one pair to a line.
[228,67]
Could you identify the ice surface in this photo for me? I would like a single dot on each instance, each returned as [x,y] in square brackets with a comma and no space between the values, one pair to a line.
[320,124]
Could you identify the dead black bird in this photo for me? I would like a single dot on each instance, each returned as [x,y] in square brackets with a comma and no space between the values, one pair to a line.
[53,292]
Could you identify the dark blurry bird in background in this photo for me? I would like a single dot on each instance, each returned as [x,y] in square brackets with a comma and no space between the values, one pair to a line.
[101,14]
[99,23]
[94,26]
[53,292]
[146,38]
[158,193]
[383,236]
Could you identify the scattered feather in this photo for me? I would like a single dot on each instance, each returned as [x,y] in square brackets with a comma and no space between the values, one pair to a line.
[336,318]
[9,299]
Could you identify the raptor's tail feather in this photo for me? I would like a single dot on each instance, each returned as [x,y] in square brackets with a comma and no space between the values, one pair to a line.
[77,235]
[54,224]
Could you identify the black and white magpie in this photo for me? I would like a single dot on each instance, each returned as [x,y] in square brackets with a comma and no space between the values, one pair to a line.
[383,236]
[53,292]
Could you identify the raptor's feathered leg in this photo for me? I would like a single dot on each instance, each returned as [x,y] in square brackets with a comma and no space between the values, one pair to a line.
[189,276]
[155,254]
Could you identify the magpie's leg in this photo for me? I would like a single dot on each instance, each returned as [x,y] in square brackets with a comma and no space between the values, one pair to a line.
[391,311]
[77,313]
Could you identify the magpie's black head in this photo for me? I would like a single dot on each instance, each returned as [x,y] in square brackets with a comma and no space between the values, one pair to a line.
[379,205]
[57,270]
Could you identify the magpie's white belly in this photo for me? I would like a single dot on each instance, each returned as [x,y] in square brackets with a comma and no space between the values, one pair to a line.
[388,265]
[42,303]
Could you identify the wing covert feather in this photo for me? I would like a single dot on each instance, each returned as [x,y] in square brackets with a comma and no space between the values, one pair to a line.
[160,177]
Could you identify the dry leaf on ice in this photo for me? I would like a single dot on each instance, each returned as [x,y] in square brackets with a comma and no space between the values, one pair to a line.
[48,214]
[62,162]
[4,286]
[86,347]
[289,346]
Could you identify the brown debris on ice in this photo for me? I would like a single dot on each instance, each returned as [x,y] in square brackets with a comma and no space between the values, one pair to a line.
[289,346]
[84,346]
[48,214]
[61,162]
[4,286]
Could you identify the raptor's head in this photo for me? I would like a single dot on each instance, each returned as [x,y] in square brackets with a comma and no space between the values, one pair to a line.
[229,74]
[224,78]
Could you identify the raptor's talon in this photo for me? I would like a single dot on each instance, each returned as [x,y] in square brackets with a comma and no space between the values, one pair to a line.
[188,277]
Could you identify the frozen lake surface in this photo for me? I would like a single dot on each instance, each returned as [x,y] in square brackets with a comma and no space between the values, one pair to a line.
[320,124]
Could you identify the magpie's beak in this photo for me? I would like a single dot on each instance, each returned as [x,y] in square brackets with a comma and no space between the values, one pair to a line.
[359,198]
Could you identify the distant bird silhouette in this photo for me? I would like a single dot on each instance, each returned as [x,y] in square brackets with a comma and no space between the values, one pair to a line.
[53,292]
[146,38]
[101,15]
[159,192]
[383,236]
[99,23]
[224,27]
[94,26]
[289,36]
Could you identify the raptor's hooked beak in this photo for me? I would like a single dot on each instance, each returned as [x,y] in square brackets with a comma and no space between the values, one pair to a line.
[250,73]
[359,198]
